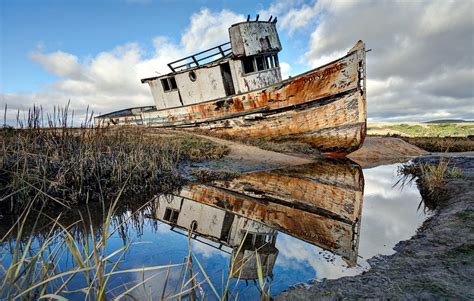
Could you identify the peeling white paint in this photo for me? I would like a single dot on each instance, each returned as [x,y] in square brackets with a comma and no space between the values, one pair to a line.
[252,38]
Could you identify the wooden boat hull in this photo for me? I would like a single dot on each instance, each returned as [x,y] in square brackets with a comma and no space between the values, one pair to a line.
[325,107]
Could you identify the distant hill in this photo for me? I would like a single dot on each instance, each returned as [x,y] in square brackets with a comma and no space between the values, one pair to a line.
[449,121]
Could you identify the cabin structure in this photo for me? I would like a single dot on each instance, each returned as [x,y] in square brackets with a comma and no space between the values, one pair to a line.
[249,61]
[223,230]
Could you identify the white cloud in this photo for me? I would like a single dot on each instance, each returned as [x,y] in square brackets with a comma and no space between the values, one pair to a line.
[208,29]
[110,80]
[58,63]
[421,66]
[285,69]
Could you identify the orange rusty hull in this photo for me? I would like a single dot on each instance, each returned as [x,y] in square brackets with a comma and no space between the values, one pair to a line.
[319,203]
[325,107]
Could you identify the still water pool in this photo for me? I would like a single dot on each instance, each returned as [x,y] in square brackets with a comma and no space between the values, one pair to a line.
[284,227]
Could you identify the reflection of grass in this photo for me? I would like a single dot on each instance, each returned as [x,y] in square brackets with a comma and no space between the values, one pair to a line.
[237,263]
[35,270]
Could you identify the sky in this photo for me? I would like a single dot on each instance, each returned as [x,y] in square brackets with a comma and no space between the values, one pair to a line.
[94,53]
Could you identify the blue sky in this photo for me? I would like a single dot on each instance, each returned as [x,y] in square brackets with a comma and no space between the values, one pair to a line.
[95,52]
[86,28]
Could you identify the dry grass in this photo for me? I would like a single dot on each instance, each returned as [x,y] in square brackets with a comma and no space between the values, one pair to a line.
[430,178]
[70,166]
[38,243]
[443,144]
[445,129]
[276,145]
[204,175]
[298,148]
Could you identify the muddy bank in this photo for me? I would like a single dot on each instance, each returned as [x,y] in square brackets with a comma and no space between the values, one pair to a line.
[384,150]
[244,158]
[435,263]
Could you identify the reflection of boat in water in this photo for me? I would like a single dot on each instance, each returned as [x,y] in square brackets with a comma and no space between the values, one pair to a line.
[225,228]
[318,203]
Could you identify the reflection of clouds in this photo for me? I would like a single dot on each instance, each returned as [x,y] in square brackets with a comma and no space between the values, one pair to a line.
[205,250]
[380,180]
[152,288]
[389,214]
[297,255]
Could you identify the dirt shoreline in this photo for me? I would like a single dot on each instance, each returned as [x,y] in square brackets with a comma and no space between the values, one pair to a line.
[435,263]
[247,158]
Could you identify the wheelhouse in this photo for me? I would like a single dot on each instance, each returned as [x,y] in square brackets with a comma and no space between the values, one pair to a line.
[247,62]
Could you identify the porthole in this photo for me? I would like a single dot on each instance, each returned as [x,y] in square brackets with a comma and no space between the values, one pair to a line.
[192,76]
[194,225]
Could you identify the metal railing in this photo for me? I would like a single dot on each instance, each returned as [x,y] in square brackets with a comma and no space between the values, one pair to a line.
[195,60]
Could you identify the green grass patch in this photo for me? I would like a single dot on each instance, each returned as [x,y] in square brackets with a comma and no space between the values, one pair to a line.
[424,129]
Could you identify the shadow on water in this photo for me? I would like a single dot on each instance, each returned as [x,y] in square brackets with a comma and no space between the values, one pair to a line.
[263,230]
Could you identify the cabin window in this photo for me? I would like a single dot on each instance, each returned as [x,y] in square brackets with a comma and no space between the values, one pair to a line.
[275,59]
[270,63]
[171,215]
[248,65]
[260,63]
[173,83]
[169,84]
[164,83]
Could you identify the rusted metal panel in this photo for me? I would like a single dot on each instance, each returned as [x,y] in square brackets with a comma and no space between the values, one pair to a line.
[320,83]
[335,127]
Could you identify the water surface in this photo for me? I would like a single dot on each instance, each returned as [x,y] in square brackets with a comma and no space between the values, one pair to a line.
[322,220]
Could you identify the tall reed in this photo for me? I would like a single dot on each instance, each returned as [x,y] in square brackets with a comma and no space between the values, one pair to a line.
[72,165]
[431,179]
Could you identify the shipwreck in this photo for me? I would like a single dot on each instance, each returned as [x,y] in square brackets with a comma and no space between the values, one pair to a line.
[235,90]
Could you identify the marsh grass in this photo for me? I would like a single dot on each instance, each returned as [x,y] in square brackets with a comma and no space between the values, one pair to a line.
[68,165]
[33,270]
[447,129]
[443,144]
[233,278]
[289,147]
[431,179]
[204,175]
